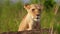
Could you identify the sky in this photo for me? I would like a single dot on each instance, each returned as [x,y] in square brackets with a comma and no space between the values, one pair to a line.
[14,0]
[25,1]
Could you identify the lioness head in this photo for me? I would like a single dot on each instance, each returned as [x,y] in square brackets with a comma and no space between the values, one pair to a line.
[34,10]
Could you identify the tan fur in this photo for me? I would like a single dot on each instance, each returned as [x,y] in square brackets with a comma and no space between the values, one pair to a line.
[31,22]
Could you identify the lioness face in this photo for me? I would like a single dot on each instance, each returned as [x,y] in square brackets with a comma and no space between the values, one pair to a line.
[34,10]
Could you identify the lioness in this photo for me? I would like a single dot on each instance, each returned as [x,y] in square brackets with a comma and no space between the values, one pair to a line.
[32,19]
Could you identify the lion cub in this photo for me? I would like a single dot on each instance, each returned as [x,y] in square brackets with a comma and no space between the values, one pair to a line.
[32,19]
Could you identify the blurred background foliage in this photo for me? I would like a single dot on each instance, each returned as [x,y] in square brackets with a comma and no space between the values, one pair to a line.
[12,12]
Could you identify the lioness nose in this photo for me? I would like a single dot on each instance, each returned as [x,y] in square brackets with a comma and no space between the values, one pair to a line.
[37,14]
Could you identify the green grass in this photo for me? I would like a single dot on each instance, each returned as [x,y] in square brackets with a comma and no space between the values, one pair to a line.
[11,15]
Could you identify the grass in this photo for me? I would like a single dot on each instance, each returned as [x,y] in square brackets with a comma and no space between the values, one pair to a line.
[11,15]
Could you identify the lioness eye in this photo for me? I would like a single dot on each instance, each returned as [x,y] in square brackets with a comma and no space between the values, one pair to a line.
[39,9]
[33,9]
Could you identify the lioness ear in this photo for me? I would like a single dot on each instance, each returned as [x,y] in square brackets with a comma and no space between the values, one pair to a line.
[27,6]
[41,6]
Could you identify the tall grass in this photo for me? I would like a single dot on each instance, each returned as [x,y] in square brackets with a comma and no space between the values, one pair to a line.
[12,14]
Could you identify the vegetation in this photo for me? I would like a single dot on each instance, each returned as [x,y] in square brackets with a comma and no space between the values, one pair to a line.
[12,13]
